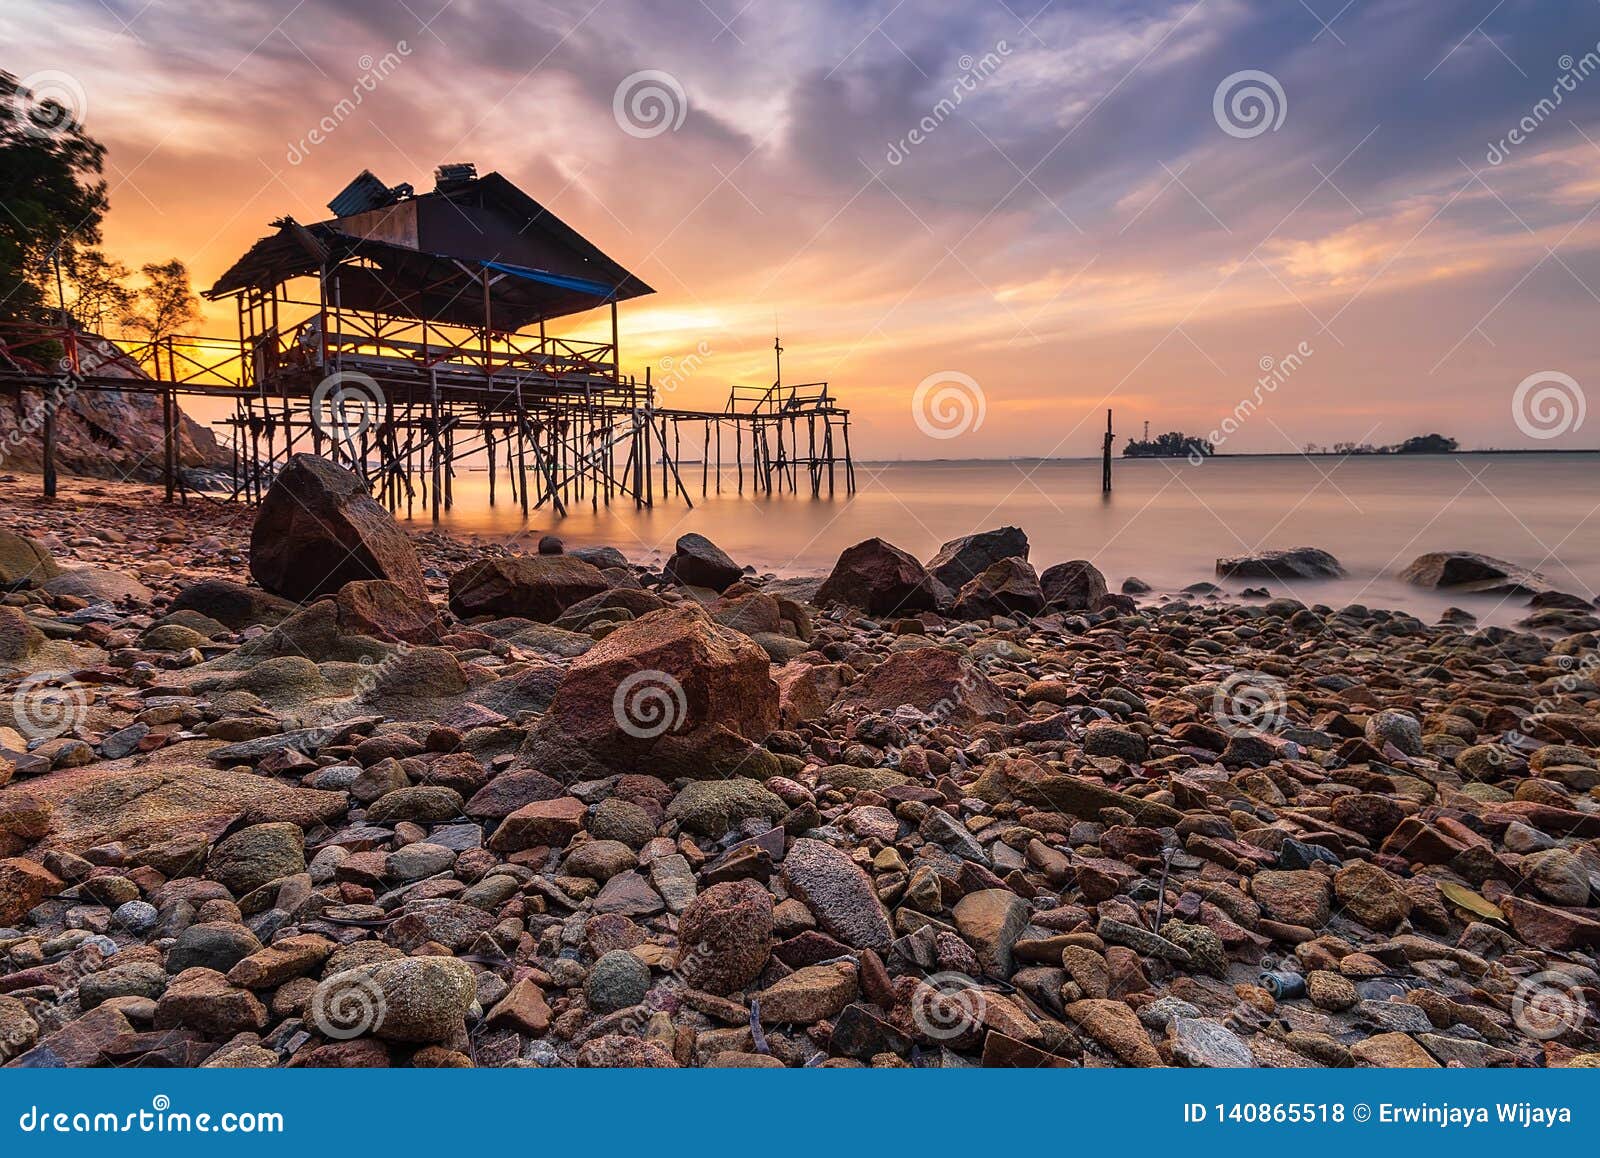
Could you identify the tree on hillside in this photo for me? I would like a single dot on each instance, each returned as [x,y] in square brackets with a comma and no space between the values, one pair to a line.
[97,295]
[53,196]
[165,304]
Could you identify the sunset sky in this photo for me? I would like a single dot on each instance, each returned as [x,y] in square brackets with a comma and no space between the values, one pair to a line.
[1081,230]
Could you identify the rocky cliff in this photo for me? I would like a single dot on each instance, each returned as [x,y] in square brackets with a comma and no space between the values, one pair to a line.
[101,434]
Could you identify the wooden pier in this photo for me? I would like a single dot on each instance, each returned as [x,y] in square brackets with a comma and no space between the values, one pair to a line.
[408,338]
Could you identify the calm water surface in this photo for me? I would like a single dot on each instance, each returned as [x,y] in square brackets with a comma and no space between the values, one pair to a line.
[1166,522]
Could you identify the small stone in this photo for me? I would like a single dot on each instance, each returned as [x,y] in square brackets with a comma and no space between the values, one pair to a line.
[1296,897]
[1330,991]
[839,893]
[1393,726]
[810,994]
[137,917]
[619,979]
[256,856]
[1371,896]
[725,936]
[1202,1043]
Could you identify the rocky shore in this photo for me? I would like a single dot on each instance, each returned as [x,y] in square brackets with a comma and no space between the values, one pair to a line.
[293,787]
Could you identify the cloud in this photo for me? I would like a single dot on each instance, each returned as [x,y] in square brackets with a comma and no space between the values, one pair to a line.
[1071,220]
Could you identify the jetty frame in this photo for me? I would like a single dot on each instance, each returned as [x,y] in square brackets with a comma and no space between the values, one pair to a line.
[409,338]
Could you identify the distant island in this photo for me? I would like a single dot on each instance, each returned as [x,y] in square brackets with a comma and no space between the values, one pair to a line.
[1416,444]
[1169,445]
[1174,444]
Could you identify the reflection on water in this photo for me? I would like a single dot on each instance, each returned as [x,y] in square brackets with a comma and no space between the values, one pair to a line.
[1167,521]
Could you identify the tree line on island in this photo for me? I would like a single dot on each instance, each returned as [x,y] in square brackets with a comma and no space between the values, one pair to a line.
[52,269]
[1174,444]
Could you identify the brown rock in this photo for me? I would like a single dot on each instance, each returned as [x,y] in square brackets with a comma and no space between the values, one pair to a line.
[537,587]
[1074,586]
[1392,1051]
[1007,587]
[24,562]
[386,610]
[880,579]
[1547,927]
[1297,897]
[991,920]
[615,1051]
[806,690]
[201,999]
[930,680]
[281,961]
[1371,895]
[810,994]
[672,689]
[725,936]
[698,562]
[1117,1028]
[961,560]
[552,822]
[319,528]
[523,1009]
[23,884]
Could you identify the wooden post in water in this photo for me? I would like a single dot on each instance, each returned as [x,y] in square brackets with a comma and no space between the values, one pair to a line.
[50,400]
[1105,476]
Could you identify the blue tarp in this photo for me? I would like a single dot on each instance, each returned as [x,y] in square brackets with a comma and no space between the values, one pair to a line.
[563,281]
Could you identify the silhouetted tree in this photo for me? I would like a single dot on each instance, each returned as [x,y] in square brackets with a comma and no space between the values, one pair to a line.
[99,297]
[165,303]
[53,196]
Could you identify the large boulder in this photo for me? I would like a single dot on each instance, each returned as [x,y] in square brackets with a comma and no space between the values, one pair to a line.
[962,560]
[880,579]
[941,684]
[319,529]
[671,692]
[143,800]
[1008,587]
[536,587]
[1074,586]
[1466,571]
[24,562]
[1292,563]
[698,562]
